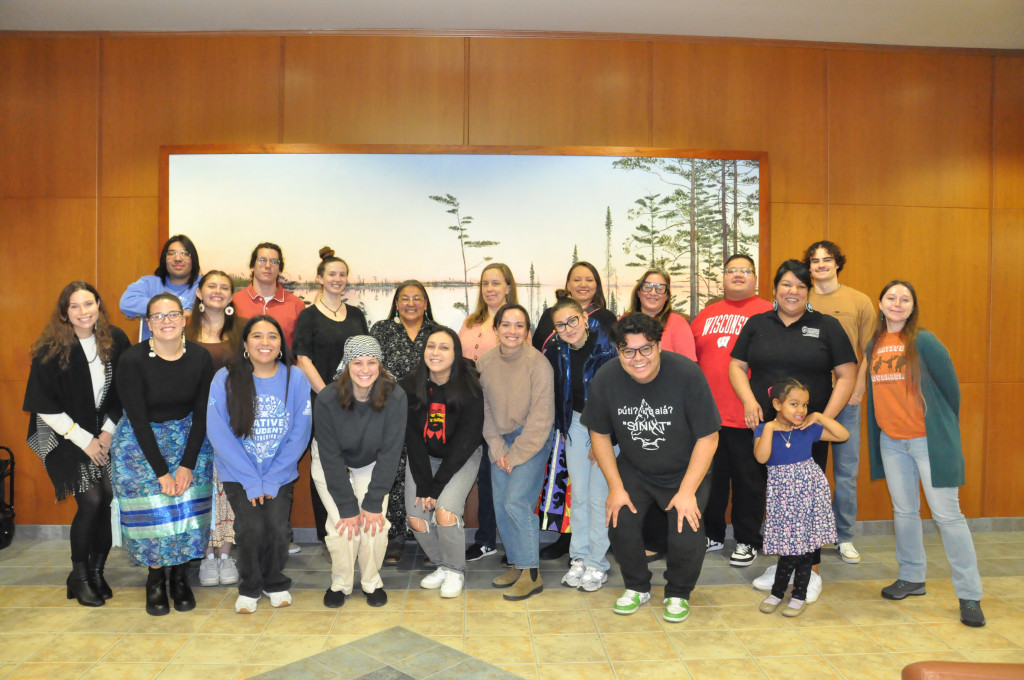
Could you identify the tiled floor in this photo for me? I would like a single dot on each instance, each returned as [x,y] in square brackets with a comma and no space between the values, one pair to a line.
[851,632]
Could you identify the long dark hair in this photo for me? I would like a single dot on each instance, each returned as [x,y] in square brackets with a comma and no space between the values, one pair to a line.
[908,334]
[463,381]
[230,332]
[428,314]
[161,270]
[382,388]
[598,292]
[240,386]
[58,336]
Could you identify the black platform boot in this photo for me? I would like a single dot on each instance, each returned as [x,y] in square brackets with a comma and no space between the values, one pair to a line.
[156,592]
[96,580]
[182,595]
[80,588]
[558,548]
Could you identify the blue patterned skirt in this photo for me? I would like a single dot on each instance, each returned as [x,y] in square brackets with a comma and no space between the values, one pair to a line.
[798,515]
[161,530]
[553,506]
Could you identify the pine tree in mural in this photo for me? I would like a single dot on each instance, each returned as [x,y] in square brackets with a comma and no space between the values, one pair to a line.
[461,229]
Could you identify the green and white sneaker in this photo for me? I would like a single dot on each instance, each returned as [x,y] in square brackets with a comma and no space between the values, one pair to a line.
[630,601]
[676,609]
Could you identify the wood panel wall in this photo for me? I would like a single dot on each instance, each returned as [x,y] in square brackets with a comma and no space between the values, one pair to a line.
[912,160]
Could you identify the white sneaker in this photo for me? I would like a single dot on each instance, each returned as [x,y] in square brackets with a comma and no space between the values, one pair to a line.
[575,574]
[766,580]
[847,553]
[813,588]
[294,549]
[433,580]
[281,598]
[209,571]
[228,571]
[246,605]
[714,545]
[593,579]
[453,583]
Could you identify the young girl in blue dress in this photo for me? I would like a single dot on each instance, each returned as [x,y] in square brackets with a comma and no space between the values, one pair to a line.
[798,517]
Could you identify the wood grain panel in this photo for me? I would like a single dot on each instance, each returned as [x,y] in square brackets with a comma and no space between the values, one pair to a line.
[559,92]
[1004,466]
[182,90]
[374,90]
[56,244]
[794,227]
[1008,133]
[909,129]
[129,247]
[48,105]
[1007,332]
[745,97]
[33,491]
[972,437]
[944,252]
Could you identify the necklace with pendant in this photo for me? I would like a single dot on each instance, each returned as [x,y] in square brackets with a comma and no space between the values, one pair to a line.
[787,439]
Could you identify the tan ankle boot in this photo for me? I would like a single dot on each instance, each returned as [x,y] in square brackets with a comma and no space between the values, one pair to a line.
[525,586]
[507,579]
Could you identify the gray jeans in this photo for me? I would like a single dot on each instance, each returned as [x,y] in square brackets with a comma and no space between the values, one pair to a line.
[445,546]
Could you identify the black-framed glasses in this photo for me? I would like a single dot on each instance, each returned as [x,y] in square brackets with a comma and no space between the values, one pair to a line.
[405,299]
[160,316]
[658,288]
[571,322]
[268,260]
[645,351]
[747,271]
[184,253]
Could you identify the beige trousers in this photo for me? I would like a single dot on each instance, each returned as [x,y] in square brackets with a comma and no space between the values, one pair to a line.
[363,548]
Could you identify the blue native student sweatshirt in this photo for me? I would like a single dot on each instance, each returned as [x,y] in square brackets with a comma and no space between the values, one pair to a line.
[268,458]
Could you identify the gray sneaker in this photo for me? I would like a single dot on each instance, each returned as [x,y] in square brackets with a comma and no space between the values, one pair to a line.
[970,613]
[228,571]
[901,589]
[209,571]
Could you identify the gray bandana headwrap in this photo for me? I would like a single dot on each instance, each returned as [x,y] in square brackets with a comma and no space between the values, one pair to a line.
[361,346]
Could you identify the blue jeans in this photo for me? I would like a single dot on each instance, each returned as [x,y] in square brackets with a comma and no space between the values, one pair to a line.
[515,499]
[589,491]
[845,466]
[906,464]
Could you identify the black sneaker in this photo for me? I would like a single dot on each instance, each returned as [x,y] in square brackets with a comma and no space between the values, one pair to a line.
[743,555]
[334,598]
[970,613]
[900,589]
[478,551]
[377,598]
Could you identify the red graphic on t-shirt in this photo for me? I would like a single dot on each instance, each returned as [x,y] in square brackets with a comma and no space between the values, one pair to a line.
[434,427]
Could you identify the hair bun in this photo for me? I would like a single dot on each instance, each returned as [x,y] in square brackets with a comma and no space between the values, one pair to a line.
[326,252]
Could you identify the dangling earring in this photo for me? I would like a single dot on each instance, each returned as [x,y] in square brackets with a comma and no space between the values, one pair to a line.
[202,308]
[280,354]
[396,319]
[809,308]
[229,310]
[183,342]
[152,349]
[775,305]
[245,354]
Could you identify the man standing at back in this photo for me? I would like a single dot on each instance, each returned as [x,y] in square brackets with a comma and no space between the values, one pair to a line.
[854,310]
[715,330]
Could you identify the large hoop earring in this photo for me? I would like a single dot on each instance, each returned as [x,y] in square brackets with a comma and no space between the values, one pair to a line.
[202,308]
[775,305]
[245,354]
[280,354]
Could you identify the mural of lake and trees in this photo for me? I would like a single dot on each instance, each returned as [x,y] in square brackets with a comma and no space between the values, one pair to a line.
[441,218]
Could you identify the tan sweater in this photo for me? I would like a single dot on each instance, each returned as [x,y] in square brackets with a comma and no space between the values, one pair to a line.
[518,392]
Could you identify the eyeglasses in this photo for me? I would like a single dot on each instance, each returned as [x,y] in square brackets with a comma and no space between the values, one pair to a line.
[658,288]
[271,260]
[160,316]
[571,322]
[645,351]
[184,254]
[746,271]
[405,299]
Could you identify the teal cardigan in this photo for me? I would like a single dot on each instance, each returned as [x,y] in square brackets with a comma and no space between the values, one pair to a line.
[941,393]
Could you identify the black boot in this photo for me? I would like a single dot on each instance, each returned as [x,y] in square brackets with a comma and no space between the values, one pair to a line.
[184,600]
[96,580]
[560,547]
[156,592]
[79,586]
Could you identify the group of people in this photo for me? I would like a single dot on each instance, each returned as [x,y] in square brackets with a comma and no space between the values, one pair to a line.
[618,433]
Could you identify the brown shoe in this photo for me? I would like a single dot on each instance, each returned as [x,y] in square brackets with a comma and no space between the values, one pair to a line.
[524,587]
[507,579]
[393,554]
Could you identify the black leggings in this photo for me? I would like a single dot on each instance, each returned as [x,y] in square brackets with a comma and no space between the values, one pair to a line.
[801,564]
[90,530]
